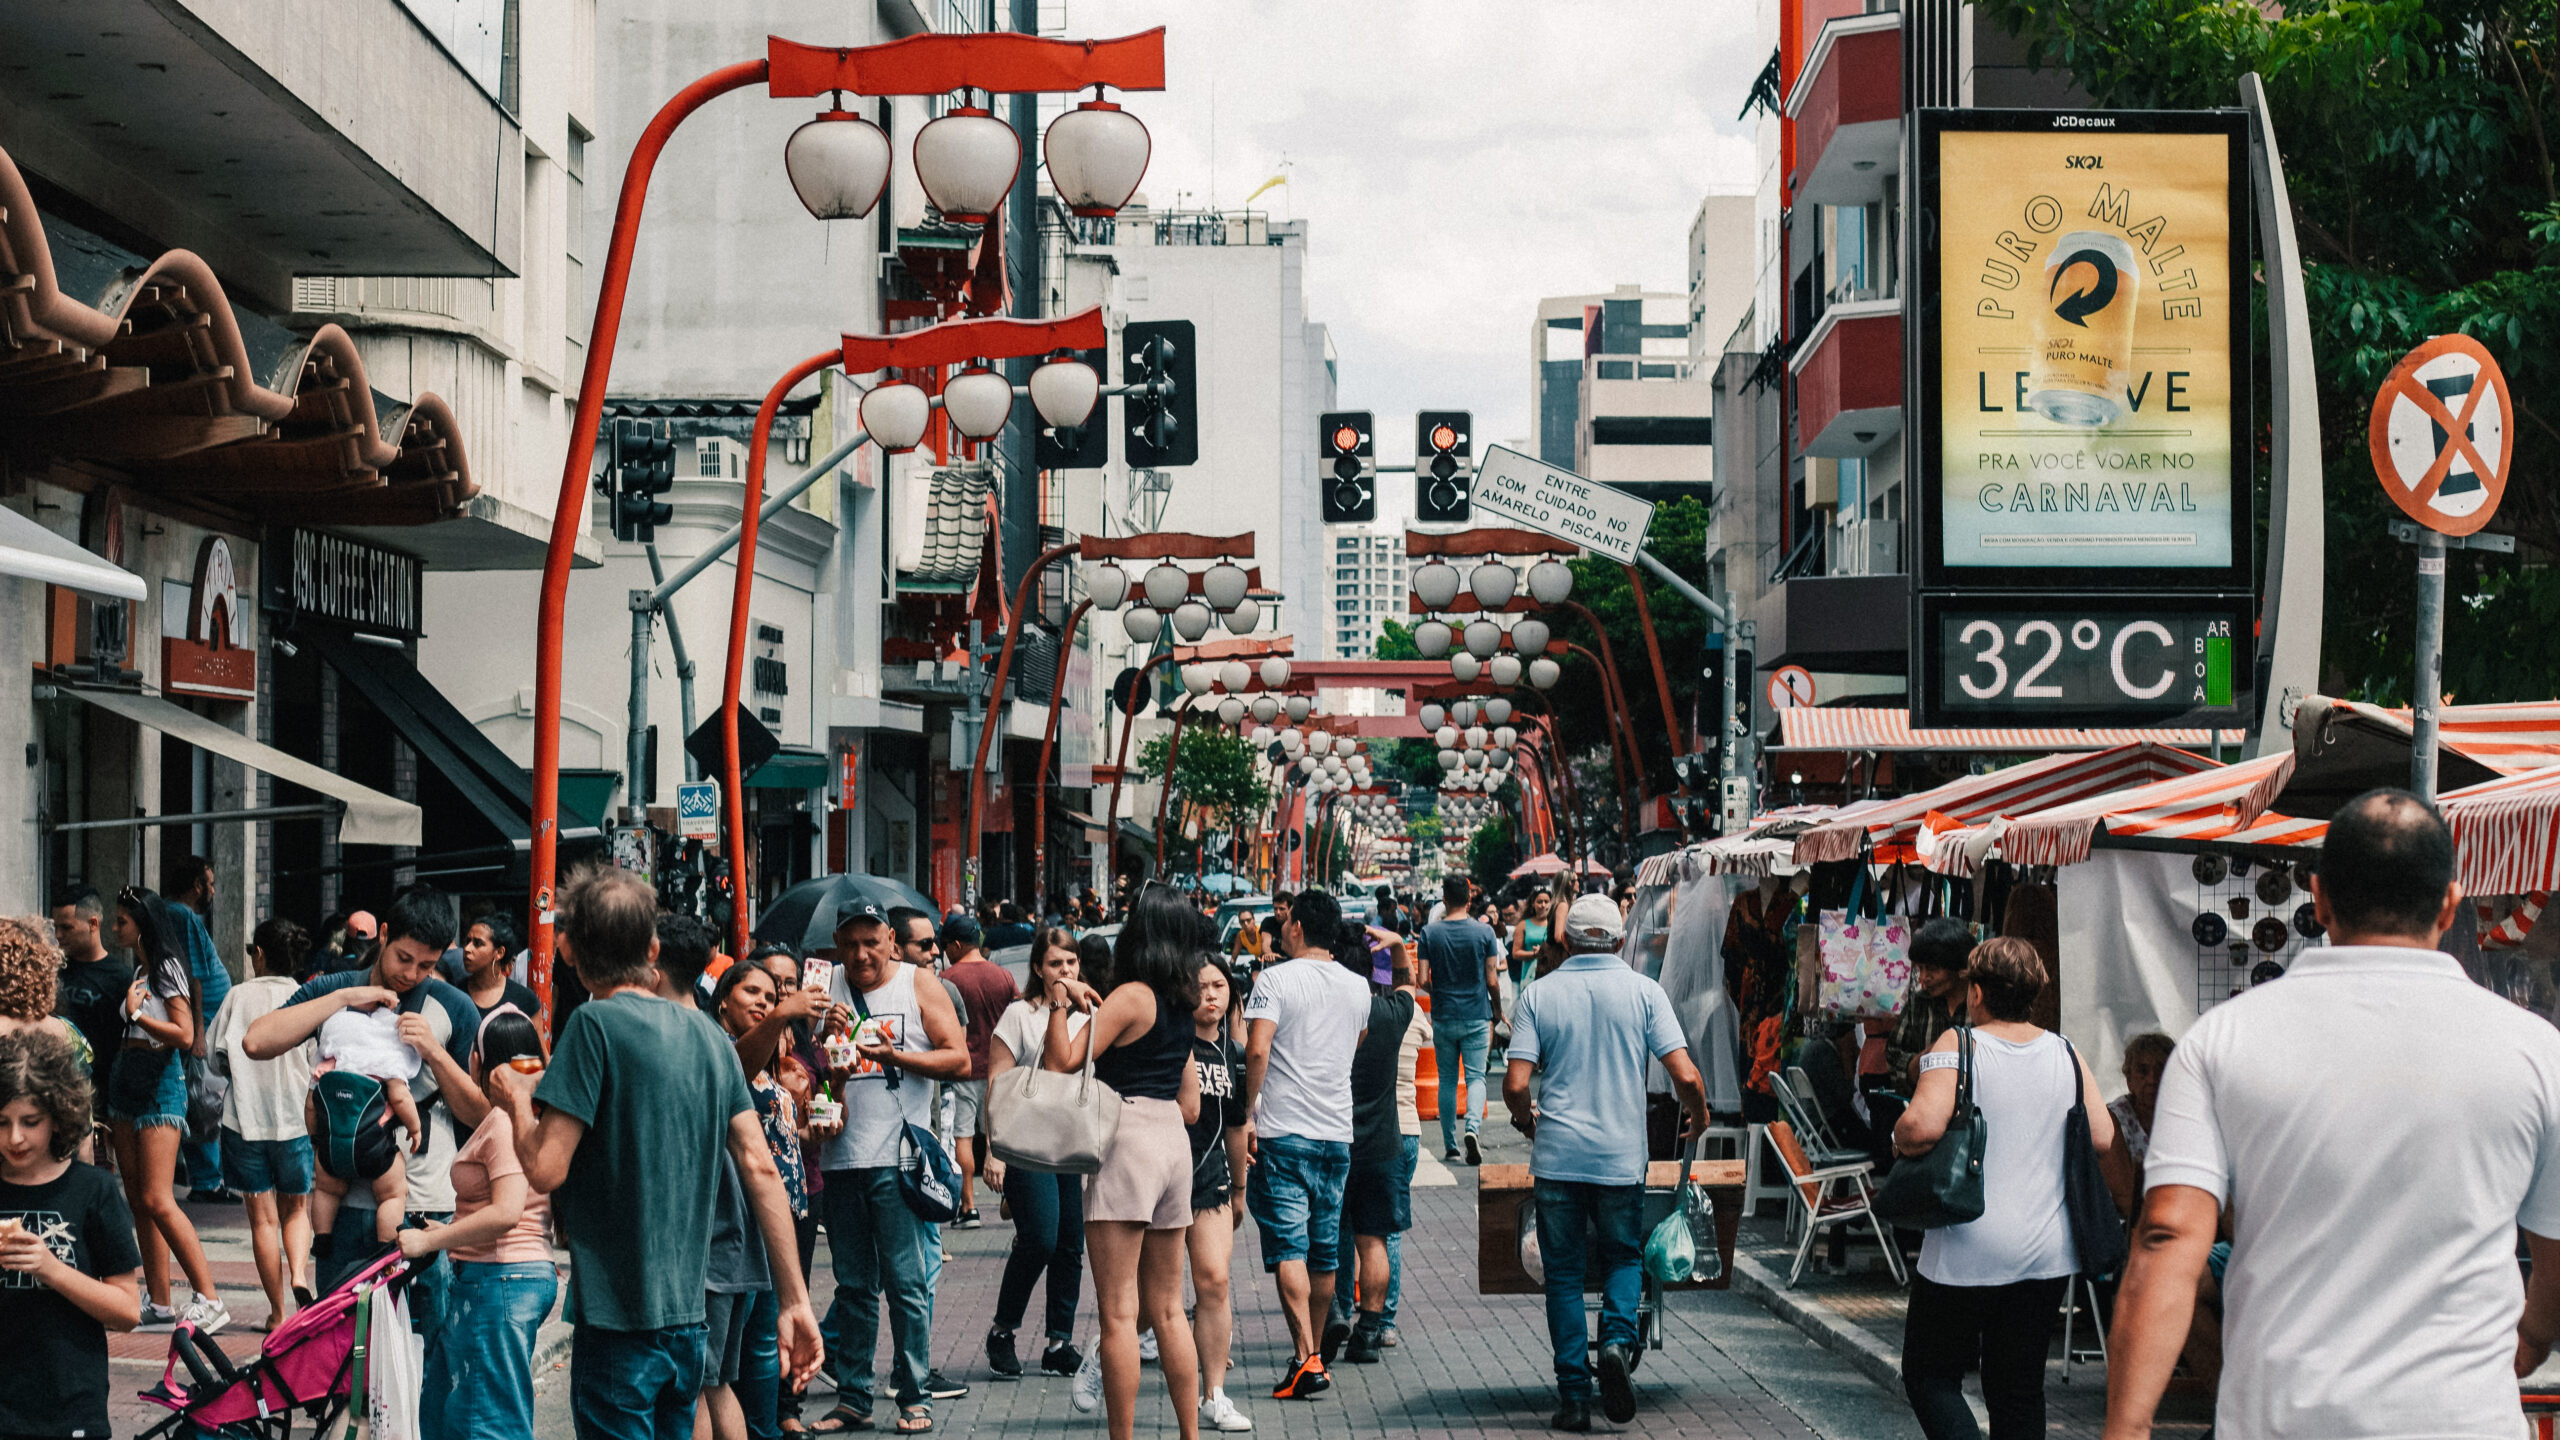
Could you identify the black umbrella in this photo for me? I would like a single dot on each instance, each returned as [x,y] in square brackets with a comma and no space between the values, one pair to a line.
[804,916]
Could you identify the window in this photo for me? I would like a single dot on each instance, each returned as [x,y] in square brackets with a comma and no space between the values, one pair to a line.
[710,460]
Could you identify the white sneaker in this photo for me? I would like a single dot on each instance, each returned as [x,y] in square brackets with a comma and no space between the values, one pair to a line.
[1220,1413]
[157,1319]
[207,1314]
[1147,1345]
[1088,1382]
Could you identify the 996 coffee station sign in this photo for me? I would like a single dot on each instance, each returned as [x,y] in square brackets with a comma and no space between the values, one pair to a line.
[311,574]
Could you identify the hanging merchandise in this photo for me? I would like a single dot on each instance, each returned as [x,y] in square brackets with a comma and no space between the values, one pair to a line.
[2306,921]
[2274,886]
[2271,934]
[2031,916]
[2209,929]
[2209,868]
[1866,953]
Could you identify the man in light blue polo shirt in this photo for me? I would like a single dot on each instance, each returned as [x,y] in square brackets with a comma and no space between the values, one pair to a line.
[1587,1032]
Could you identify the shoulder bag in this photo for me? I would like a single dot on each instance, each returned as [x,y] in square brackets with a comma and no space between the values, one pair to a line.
[1943,1187]
[1052,1123]
[2097,1231]
[927,1180]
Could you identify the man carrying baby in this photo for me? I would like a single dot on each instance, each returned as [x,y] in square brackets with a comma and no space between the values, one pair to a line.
[361,1113]
[437,1021]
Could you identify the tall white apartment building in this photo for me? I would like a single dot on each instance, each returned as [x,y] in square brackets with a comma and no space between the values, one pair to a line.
[1365,585]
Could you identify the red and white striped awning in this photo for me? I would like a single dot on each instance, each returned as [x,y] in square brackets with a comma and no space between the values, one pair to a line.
[1977,799]
[1770,839]
[2506,833]
[1847,728]
[2226,805]
[2507,738]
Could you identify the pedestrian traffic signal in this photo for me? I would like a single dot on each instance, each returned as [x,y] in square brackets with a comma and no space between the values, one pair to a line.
[1078,447]
[1350,474]
[640,466]
[1164,419]
[1443,466]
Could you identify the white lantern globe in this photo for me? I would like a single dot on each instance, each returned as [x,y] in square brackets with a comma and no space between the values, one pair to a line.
[1484,638]
[1448,759]
[1476,737]
[839,165]
[1544,673]
[978,402]
[966,162]
[1504,668]
[1499,759]
[1265,708]
[1464,668]
[1244,616]
[1097,153]
[1551,582]
[1436,584]
[1235,675]
[1065,393]
[1260,739]
[1224,586]
[1142,624]
[1463,714]
[1197,678]
[1505,737]
[895,416]
[1433,716]
[1191,620]
[1497,710]
[1230,711]
[1475,759]
[1167,585]
[1446,737]
[1431,638]
[1298,707]
[1107,585]
[1530,637]
[1306,764]
[1321,742]
[1275,672]
[1493,584]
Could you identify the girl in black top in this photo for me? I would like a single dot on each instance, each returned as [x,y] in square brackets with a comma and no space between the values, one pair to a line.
[1217,1174]
[67,1258]
[147,1109]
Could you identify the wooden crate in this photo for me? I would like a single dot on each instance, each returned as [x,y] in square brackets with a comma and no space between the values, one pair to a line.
[1501,1190]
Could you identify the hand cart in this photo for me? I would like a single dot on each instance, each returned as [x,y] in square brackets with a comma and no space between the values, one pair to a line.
[1505,1213]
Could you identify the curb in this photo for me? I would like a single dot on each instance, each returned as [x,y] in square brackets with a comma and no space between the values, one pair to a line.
[551,1346]
[1869,1355]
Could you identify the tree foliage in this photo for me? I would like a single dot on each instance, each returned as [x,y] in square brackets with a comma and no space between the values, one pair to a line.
[1395,642]
[2419,140]
[1492,852]
[1215,771]
[1678,538]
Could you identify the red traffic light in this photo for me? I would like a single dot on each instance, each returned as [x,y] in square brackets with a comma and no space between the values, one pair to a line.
[1444,437]
[1345,438]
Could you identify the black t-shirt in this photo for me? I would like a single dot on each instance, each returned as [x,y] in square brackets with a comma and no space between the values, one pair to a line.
[520,996]
[1373,1079]
[1221,1067]
[56,1380]
[91,997]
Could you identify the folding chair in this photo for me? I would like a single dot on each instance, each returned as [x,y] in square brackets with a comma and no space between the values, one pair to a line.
[1754,1188]
[1804,1113]
[1831,1195]
[2082,1287]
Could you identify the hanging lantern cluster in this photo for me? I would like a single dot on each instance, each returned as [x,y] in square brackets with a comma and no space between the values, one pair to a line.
[1480,648]
[966,160]
[1168,594]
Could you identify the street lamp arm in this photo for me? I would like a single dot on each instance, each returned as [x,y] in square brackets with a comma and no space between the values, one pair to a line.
[550,637]
[1688,592]
[994,717]
[1671,731]
[1048,739]
[773,505]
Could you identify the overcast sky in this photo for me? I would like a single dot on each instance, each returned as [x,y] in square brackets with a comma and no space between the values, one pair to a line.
[1455,162]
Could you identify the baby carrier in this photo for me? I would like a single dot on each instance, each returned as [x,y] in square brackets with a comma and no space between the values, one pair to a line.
[360,1144]
[312,1366]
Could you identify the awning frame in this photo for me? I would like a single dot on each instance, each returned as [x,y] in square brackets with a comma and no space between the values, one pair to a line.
[366,816]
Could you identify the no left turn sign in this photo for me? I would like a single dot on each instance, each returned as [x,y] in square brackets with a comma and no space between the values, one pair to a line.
[2440,437]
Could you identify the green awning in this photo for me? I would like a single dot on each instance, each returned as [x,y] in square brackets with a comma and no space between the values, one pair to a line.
[791,769]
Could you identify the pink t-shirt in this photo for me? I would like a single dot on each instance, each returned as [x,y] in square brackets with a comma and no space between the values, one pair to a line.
[488,1156]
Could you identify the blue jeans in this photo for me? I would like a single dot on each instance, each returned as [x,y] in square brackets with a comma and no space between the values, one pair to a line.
[1458,1048]
[880,1249]
[1048,1239]
[635,1384]
[1569,1214]
[479,1383]
[1408,1154]
[1295,1194]
[759,1383]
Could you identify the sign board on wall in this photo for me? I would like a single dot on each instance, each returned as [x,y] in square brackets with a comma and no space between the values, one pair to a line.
[1532,494]
[204,637]
[2081,415]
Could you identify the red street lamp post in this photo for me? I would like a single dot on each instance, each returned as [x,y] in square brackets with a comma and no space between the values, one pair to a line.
[1048,739]
[917,65]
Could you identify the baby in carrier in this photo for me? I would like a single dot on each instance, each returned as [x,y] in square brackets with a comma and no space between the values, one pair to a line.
[359,1091]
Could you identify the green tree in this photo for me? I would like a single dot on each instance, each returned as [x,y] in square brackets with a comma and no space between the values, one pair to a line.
[1492,852]
[1395,642]
[2419,141]
[1678,538]
[1215,772]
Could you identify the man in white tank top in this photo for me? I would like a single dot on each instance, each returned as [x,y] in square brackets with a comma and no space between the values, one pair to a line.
[905,1036]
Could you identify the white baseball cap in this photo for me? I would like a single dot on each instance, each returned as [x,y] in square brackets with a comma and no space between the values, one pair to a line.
[1594,919]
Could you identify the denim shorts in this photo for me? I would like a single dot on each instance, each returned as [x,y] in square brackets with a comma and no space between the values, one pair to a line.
[1295,1193]
[254,1167]
[168,1101]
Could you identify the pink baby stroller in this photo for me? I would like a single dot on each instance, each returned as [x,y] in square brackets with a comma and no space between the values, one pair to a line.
[309,1367]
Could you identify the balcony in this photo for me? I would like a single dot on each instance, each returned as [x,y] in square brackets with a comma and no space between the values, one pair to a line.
[1851,624]
[1848,375]
[1847,108]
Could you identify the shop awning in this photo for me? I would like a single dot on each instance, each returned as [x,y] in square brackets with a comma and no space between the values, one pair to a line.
[31,552]
[2506,833]
[2226,805]
[791,769]
[1850,728]
[370,817]
[2020,789]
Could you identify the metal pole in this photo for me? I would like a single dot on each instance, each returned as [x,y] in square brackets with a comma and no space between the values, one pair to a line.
[2430,691]
[995,706]
[772,506]
[1048,738]
[636,744]
[684,662]
[1722,614]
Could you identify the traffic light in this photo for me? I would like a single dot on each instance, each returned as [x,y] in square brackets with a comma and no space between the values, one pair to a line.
[640,467]
[1080,447]
[1350,459]
[1164,421]
[1443,466]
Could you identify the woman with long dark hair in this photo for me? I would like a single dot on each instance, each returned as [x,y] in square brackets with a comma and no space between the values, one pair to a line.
[1138,1206]
[743,1000]
[147,1112]
[1048,1210]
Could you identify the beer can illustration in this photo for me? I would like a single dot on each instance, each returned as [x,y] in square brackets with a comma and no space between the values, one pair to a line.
[2083,360]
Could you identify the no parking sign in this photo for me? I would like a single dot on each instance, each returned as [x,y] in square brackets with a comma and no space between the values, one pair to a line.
[2440,437]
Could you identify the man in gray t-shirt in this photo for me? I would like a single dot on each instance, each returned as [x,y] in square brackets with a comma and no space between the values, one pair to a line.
[1461,960]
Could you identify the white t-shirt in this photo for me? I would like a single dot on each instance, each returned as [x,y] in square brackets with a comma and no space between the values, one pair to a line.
[2376,1126]
[367,1042]
[1024,1030]
[1318,1012]
[266,1095]
[2024,1093]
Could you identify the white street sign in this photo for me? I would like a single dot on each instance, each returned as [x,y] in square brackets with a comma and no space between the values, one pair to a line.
[1540,497]
[698,810]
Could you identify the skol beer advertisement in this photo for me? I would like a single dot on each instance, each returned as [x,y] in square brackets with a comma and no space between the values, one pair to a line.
[2088,345]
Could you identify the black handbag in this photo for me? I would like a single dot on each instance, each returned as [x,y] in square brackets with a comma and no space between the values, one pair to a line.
[1944,1186]
[208,1096]
[2097,1231]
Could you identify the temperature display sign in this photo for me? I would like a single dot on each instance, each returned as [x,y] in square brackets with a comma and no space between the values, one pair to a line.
[2116,661]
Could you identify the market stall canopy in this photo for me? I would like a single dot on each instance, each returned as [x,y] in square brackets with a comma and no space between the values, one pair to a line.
[2506,833]
[370,817]
[2018,790]
[2343,748]
[31,552]
[1843,727]
[2227,805]
[1770,841]
[1553,864]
